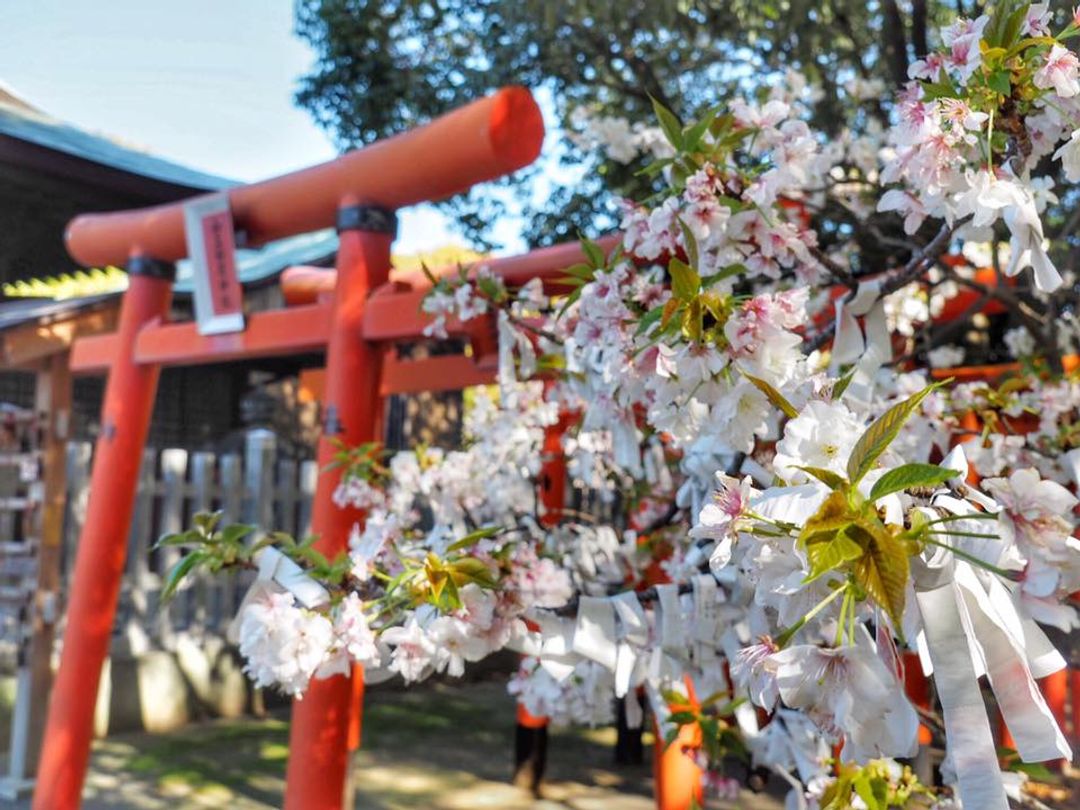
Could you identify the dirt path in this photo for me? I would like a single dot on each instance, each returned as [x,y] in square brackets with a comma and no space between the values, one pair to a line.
[440,747]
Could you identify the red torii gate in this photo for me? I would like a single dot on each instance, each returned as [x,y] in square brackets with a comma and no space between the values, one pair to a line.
[360,192]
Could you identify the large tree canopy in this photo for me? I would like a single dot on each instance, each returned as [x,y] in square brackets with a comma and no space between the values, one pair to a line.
[385,65]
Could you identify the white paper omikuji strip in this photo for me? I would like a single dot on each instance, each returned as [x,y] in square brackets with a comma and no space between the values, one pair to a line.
[1019,699]
[276,567]
[967,727]
[633,635]
[669,619]
[594,634]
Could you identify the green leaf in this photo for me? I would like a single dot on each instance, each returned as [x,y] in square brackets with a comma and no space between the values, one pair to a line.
[720,275]
[594,253]
[672,697]
[1036,770]
[910,475]
[828,555]
[668,312]
[827,477]
[668,123]
[693,134]
[841,385]
[877,438]
[206,521]
[580,271]
[774,396]
[654,168]
[884,569]
[471,569]
[1002,22]
[235,532]
[1013,25]
[648,319]
[865,786]
[176,575]
[682,718]
[834,514]
[189,538]
[313,556]
[691,320]
[472,537]
[691,245]
[685,281]
[1000,81]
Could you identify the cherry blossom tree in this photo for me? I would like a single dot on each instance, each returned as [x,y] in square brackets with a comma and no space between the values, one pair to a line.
[779,475]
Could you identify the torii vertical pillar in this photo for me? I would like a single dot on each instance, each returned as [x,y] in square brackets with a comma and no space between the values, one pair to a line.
[531,732]
[102,551]
[321,721]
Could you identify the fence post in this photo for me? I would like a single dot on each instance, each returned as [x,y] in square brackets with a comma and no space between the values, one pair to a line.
[173,518]
[309,476]
[232,507]
[207,589]
[53,402]
[260,448]
[78,488]
[286,495]
[141,581]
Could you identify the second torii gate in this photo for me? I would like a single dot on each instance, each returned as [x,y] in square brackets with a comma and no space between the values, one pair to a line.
[392,317]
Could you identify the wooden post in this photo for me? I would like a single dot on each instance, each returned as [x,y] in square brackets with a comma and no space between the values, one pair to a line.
[53,405]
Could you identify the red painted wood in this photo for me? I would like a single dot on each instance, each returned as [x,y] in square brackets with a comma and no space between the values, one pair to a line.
[102,551]
[321,722]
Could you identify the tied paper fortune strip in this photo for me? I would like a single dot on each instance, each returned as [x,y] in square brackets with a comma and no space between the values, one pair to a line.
[849,345]
[967,728]
[275,569]
[669,619]
[594,634]
[1030,721]
[633,637]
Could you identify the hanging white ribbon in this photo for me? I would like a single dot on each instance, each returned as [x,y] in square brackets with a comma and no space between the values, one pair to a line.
[970,627]
[1019,699]
[275,570]
[847,344]
[705,628]
[669,619]
[633,636]
[552,644]
[276,567]
[868,352]
[967,727]
[594,633]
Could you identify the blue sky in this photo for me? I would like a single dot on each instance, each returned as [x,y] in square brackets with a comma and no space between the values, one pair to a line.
[204,83]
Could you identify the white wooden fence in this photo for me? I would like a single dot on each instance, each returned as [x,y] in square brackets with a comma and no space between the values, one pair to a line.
[256,487]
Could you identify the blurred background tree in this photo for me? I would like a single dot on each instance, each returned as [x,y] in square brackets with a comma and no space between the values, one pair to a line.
[386,65]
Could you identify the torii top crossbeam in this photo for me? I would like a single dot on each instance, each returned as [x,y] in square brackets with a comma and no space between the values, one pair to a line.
[476,143]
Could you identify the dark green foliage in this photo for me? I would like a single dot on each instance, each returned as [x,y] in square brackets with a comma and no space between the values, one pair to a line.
[387,65]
